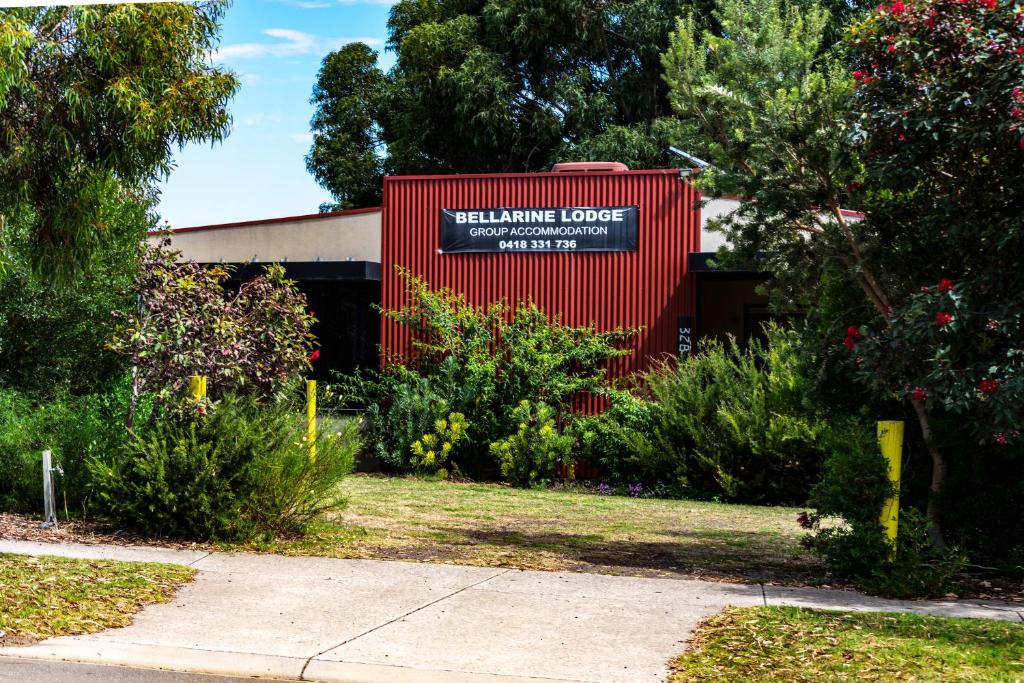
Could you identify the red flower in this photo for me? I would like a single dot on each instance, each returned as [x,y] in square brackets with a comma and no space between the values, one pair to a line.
[919,394]
[1001,438]
[858,74]
[945,285]
[990,4]
[1017,112]
[853,331]
[315,356]
[892,48]
[942,318]
[897,8]
[849,344]
[988,386]
[1018,94]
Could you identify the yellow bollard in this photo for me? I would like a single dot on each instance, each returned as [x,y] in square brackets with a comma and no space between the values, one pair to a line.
[890,440]
[197,387]
[311,417]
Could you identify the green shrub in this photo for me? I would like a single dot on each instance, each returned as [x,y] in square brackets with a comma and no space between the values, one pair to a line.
[23,432]
[75,428]
[860,553]
[532,455]
[617,440]
[481,363]
[848,534]
[242,471]
[401,407]
[725,423]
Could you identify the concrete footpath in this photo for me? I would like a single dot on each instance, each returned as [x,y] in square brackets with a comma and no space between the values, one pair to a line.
[364,621]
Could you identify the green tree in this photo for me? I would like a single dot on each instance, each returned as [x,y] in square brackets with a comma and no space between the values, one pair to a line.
[488,86]
[90,93]
[52,338]
[939,119]
[347,153]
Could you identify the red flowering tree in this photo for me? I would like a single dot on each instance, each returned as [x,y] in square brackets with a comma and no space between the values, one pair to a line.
[918,124]
[187,323]
[939,123]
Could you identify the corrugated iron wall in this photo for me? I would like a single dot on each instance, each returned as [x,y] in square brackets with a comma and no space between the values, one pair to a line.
[648,287]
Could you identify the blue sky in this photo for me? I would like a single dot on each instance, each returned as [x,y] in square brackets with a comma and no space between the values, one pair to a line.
[275,47]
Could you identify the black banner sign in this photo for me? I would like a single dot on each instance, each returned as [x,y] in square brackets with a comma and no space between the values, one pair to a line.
[570,229]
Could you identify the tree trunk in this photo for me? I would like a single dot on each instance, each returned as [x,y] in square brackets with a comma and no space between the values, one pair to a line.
[938,485]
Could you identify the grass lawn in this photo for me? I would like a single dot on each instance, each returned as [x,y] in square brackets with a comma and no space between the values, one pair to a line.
[495,525]
[42,597]
[791,644]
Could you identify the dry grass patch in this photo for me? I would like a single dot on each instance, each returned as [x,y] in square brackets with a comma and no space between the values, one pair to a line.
[42,597]
[495,525]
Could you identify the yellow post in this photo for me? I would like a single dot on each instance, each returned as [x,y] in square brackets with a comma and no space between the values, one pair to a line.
[197,387]
[890,440]
[311,417]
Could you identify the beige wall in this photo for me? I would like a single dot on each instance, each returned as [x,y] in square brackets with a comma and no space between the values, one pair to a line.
[353,237]
[714,208]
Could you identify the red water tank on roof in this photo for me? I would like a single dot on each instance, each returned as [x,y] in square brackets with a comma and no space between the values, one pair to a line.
[646,285]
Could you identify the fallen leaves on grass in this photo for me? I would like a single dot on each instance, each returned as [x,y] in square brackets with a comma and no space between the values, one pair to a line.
[41,597]
[791,645]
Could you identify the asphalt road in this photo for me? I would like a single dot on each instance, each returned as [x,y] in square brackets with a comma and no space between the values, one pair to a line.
[39,671]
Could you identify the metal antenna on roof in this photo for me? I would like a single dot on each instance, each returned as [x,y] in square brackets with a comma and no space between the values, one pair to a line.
[701,164]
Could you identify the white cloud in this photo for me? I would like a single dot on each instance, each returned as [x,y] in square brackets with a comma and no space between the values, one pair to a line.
[261,119]
[290,43]
[302,138]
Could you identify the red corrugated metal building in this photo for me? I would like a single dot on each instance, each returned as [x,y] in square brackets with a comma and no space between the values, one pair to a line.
[648,287]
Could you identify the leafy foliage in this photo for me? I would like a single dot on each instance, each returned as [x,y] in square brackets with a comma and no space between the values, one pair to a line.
[52,337]
[346,138]
[430,452]
[478,87]
[75,428]
[725,423]
[941,86]
[534,452]
[920,132]
[186,324]
[480,363]
[95,94]
[769,99]
[242,471]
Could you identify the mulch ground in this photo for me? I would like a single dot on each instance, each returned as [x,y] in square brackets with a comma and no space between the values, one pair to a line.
[15,527]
